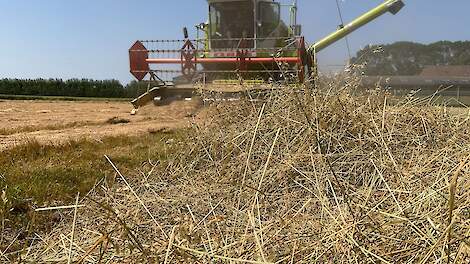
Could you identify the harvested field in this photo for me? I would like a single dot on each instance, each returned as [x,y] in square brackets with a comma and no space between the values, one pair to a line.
[331,176]
[53,122]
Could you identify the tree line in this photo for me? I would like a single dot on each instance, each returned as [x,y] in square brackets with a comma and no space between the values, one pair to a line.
[71,88]
[408,58]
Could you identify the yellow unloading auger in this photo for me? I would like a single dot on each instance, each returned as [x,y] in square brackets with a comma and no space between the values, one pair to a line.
[245,45]
[391,6]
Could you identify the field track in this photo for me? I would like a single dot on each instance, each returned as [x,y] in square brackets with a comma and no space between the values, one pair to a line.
[55,122]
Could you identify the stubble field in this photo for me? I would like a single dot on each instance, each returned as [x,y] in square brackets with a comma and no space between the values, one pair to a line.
[55,122]
[333,176]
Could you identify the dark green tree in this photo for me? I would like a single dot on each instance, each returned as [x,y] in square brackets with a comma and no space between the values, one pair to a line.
[72,87]
[408,58]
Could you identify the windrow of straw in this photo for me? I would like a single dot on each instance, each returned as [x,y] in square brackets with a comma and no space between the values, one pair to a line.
[327,175]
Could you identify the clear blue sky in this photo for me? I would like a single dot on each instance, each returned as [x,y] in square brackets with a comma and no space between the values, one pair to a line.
[90,38]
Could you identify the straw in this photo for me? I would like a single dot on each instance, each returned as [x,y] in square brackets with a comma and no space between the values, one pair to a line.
[335,174]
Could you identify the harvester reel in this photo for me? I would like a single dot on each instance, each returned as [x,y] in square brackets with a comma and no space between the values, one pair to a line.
[188,57]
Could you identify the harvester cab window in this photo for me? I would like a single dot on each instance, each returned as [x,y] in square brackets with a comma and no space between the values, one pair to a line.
[269,15]
[230,20]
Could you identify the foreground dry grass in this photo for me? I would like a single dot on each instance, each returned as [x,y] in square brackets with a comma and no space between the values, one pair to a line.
[331,176]
[34,175]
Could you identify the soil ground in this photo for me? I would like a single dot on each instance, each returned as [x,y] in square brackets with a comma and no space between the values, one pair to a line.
[53,122]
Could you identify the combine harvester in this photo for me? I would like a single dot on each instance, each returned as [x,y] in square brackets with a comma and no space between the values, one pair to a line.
[244,47]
